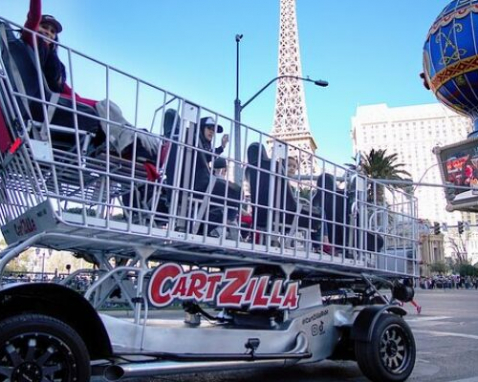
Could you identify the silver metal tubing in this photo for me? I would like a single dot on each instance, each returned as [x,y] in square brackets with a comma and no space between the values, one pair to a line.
[118,372]
[210,362]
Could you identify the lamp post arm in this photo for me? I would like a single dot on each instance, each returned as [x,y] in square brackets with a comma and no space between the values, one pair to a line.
[259,92]
[321,83]
[423,175]
[238,109]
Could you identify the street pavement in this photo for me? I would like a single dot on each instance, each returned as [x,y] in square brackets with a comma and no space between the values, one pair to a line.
[446,334]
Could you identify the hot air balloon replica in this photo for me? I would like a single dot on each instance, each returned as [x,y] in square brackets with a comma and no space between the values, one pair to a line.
[450,70]
[450,58]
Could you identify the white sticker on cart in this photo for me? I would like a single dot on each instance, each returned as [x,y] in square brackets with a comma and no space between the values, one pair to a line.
[234,287]
[37,219]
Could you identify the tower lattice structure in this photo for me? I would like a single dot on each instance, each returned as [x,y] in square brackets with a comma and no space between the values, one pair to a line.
[291,123]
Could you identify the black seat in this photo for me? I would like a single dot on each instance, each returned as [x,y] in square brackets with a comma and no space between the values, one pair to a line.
[337,211]
[336,208]
[285,205]
[171,127]
[171,123]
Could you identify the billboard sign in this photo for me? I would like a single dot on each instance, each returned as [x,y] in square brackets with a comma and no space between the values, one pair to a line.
[459,169]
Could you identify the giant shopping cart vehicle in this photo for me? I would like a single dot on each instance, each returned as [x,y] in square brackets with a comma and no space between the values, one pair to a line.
[270,270]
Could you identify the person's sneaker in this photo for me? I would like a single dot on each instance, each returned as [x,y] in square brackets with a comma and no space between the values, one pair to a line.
[224,316]
[216,232]
[232,230]
[419,309]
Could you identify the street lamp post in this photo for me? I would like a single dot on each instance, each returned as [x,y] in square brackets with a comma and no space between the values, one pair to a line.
[237,118]
[238,108]
[43,266]
[237,102]
[39,252]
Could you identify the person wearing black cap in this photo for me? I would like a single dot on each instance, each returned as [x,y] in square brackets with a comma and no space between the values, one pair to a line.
[208,128]
[222,187]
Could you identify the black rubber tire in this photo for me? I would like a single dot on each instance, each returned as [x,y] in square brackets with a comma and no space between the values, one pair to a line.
[37,348]
[390,355]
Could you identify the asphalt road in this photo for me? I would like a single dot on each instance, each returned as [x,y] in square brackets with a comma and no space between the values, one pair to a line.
[446,334]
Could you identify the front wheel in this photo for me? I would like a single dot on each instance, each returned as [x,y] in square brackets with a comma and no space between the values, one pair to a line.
[390,355]
[39,348]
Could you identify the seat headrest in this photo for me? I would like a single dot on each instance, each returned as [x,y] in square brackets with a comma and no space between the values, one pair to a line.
[8,31]
[326,181]
[253,152]
[171,127]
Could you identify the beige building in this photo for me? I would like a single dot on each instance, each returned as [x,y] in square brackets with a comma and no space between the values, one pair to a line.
[412,132]
[432,251]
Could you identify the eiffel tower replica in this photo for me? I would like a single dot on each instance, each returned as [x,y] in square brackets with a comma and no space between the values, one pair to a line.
[291,124]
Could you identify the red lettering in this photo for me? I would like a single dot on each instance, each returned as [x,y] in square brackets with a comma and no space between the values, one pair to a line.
[250,291]
[260,298]
[181,287]
[25,226]
[197,282]
[33,226]
[291,299]
[213,281]
[159,280]
[239,287]
[276,298]
[231,294]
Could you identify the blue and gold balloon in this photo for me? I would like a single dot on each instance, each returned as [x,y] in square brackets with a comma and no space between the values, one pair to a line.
[450,58]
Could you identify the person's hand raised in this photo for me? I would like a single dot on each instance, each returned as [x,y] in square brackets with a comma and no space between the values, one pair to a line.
[225,140]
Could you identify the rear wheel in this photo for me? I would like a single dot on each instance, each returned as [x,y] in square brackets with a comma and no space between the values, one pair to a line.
[390,355]
[39,348]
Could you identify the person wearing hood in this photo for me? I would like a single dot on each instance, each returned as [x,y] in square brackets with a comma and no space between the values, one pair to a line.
[222,187]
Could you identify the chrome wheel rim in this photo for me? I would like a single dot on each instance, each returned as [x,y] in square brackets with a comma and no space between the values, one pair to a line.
[394,349]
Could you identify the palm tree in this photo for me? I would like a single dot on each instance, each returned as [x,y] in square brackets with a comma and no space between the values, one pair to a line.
[378,165]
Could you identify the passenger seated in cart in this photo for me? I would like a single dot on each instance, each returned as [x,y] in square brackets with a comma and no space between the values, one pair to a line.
[55,75]
[335,208]
[203,175]
[220,167]
[22,53]
[337,211]
[320,234]
[220,170]
[296,215]
[51,65]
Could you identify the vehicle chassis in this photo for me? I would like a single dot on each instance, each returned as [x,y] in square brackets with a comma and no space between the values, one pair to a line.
[338,316]
[266,301]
